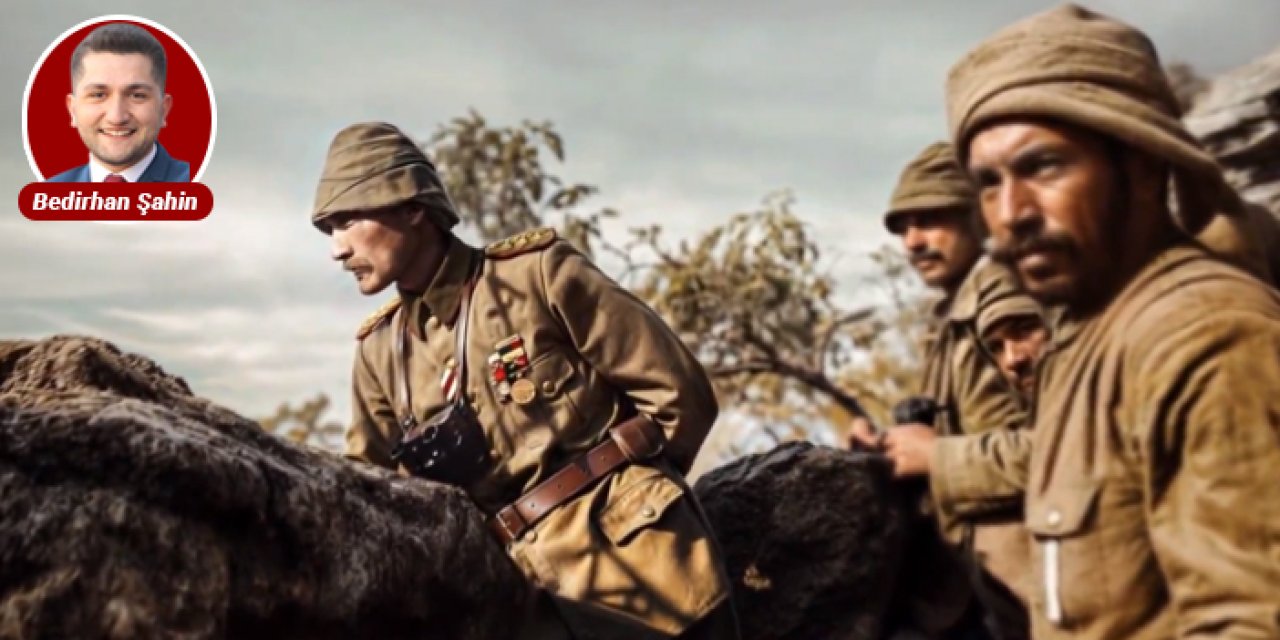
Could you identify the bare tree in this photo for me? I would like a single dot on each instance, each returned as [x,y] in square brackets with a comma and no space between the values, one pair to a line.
[750,298]
[497,180]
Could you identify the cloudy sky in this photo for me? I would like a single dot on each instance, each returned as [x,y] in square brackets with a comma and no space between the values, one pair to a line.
[683,113]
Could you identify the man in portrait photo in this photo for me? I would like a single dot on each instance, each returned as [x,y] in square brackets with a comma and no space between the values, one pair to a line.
[118,104]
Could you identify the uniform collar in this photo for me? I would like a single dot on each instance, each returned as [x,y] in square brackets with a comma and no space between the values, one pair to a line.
[1063,328]
[1066,326]
[443,296]
[962,306]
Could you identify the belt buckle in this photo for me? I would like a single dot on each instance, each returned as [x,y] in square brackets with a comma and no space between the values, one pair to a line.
[512,537]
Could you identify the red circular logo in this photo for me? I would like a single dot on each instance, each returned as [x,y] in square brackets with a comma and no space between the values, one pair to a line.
[54,145]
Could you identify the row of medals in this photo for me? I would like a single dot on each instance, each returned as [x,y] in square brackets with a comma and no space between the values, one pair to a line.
[508,368]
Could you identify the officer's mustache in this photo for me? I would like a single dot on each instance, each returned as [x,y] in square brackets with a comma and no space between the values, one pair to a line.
[1035,242]
[357,263]
[924,253]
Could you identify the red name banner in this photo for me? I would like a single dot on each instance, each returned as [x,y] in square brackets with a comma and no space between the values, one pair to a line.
[115,201]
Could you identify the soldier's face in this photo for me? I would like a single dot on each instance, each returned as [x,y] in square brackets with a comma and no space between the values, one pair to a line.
[942,245]
[1017,344]
[375,247]
[118,107]
[1049,197]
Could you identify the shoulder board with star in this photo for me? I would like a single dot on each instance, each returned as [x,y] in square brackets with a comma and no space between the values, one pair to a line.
[521,243]
[376,318]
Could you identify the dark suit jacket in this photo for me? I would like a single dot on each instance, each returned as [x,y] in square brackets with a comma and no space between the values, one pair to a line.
[163,168]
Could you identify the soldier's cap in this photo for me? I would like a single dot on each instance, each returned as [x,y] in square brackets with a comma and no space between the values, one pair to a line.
[374,165]
[1072,65]
[932,181]
[1018,305]
[997,296]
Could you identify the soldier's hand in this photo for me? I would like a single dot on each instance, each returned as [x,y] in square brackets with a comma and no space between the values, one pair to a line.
[863,436]
[910,447]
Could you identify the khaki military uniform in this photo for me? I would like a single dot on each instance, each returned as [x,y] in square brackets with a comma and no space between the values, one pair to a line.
[982,419]
[630,558]
[1153,493]
[1248,238]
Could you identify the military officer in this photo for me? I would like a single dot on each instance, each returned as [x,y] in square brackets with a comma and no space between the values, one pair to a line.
[547,354]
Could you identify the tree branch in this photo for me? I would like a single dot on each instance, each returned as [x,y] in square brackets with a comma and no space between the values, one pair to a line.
[818,381]
[746,368]
[772,432]
[824,340]
[667,258]
[752,338]
[812,377]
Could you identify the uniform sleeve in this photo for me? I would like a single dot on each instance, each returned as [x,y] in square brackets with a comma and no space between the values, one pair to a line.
[372,418]
[979,474]
[1208,435]
[633,348]
[983,470]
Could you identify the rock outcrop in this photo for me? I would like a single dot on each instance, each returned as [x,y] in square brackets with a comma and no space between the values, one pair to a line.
[130,508]
[812,538]
[1237,118]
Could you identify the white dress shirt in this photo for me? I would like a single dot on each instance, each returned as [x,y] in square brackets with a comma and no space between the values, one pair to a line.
[98,173]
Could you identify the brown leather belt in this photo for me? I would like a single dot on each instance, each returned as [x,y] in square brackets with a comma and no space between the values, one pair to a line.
[631,441]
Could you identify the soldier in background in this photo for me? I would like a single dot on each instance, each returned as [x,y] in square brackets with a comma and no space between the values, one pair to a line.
[1014,331]
[976,430]
[1151,493]
[561,403]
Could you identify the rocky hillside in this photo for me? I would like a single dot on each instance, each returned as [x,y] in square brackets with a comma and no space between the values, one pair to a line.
[1237,117]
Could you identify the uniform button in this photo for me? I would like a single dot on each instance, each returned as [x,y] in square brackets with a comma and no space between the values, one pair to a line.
[548,386]
[450,362]
[433,322]
[1054,518]
[647,511]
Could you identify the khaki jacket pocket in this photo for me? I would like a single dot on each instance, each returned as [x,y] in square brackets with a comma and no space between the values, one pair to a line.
[639,506]
[632,554]
[552,413]
[1067,553]
[551,372]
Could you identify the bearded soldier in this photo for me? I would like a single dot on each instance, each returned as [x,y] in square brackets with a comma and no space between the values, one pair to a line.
[560,402]
[1151,497]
